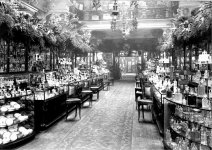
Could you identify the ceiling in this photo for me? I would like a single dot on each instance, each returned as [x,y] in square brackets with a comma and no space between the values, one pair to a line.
[150,24]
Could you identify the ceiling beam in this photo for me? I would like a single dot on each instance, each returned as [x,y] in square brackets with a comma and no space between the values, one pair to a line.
[142,24]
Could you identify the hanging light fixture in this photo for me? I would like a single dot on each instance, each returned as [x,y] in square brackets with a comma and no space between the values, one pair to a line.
[114,16]
[126,24]
[115,8]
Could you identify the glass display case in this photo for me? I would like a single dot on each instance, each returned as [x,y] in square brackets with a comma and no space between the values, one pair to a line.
[187,126]
[159,85]
[3,56]
[188,116]
[17,124]
[50,105]
[158,110]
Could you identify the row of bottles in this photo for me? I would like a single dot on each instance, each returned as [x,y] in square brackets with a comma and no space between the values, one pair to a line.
[180,143]
[194,115]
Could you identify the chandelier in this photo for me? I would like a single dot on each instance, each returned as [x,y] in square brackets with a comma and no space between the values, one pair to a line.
[124,17]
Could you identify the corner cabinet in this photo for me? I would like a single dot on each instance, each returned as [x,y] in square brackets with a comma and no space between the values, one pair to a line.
[187,127]
[17,125]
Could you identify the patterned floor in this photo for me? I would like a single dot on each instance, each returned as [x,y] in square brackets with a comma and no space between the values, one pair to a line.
[111,124]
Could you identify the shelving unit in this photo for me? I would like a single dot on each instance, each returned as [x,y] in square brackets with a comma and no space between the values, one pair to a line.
[17,124]
[187,125]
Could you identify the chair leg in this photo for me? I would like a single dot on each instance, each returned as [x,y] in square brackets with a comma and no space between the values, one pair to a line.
[98,95]
[75,112]
[136,100]
[91,99]
[143,110]
[138,112]
[66,111]
[79,107]
[151,112]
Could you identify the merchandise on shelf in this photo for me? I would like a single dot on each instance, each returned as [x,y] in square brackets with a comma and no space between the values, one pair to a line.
[188,123]
[16,113]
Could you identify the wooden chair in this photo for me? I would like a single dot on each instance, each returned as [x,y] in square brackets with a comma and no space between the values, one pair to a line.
[111,80]
[86,90]
[95,87]
[147,99]
[73,100]
[77,103]
[138,89]
[137,81]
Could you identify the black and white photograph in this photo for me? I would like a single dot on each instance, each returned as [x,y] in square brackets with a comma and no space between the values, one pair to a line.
[105,74]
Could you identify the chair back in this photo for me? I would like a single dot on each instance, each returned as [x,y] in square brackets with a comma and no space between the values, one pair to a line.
[148,91]
[86,84]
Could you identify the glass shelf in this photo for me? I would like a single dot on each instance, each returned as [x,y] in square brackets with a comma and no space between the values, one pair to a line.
[184,105]
[177,120]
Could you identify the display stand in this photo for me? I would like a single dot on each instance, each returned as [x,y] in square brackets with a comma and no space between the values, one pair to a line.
[17,124]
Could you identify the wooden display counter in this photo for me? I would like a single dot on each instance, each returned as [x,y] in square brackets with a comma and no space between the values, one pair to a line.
[48,111]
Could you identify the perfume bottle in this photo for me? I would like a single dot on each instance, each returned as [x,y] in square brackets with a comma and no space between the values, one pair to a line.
[168,136]
[203,136]
[210,138]
[205,103]
[193,146]
[201,89]
[206,74]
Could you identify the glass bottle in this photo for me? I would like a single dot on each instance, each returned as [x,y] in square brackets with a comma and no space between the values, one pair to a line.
[193,146]
[203,136]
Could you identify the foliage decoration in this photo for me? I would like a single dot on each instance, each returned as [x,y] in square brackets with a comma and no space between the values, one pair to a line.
[54,32]
[195,28]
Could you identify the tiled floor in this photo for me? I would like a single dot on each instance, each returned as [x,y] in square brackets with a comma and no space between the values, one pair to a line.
[111,124]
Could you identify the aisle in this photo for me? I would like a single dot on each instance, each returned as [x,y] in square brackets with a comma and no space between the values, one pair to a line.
[111,124]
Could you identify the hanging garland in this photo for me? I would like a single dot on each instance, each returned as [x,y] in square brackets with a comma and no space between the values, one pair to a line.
[22,28]
[196,28]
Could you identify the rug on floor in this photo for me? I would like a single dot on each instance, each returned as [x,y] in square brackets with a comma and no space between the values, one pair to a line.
[107,127]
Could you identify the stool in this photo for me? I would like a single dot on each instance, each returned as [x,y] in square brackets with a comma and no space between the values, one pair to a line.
[75,101]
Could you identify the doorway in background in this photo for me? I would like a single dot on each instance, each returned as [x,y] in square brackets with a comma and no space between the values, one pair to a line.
[128,66]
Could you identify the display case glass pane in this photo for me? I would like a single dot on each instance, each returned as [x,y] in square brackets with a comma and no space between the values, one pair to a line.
[17,58]
[3,56]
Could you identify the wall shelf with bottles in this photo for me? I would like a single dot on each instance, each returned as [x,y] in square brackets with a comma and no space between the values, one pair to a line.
[16,111]
[15,58]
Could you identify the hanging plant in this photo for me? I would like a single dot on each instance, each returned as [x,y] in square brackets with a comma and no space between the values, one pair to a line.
[7,22]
